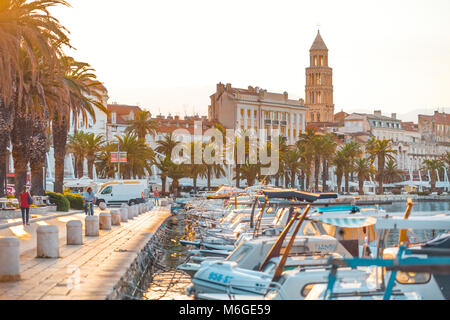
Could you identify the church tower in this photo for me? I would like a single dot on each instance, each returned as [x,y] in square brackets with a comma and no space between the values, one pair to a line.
[319,84]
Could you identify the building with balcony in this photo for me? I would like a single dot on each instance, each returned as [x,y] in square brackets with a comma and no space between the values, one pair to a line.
[256,109]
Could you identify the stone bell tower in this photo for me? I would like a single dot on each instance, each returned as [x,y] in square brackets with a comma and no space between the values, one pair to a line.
[319,84]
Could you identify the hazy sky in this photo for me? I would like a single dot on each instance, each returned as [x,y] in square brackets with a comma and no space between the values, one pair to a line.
[168,55]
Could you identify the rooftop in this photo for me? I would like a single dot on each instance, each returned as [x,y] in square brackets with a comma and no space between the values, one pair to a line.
[318,43]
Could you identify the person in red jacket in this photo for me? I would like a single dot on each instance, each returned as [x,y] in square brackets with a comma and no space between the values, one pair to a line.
[25,205]
[156,195]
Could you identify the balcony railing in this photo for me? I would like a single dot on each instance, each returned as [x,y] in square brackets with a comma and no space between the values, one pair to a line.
[267,121]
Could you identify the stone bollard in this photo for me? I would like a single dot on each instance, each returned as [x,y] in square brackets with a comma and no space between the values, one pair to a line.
[135,211]
[123,214]
[130,213]
[141,208]
[105,221]
[115,217]
[92,226]
[9,259]
[74,233]
[47,242]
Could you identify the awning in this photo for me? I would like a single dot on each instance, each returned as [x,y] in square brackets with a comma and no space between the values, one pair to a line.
[296,194]
[354,222]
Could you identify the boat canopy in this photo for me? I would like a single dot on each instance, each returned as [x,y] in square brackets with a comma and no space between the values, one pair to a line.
[296,194]
[418,223]
[348,222]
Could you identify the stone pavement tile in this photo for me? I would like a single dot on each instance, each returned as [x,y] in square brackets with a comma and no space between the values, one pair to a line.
[100,260]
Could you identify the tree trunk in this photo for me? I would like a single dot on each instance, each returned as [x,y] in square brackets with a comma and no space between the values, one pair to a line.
[347,190]
[339,183]
[20,138]
[361,186]
[308,178]
[80,167]
[38,152]
[209,179]
[238,176]
[316,173]
[195,185]
[3,172]
[90,167]
[60,130]
[163,182]
[293,179]
[324,176]
[6,123]
[380,173]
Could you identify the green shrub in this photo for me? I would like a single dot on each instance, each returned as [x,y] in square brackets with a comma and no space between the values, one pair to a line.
[62,204]
[76,200]
[425,193]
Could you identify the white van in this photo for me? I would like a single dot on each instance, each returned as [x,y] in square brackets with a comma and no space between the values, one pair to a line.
[115,193]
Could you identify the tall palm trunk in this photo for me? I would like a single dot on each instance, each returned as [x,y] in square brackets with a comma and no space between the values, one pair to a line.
[339,182]
[208,175]
[90,161]
[6,123]
[21,141]
[316,173]
[361,186]
[238,175]
[380,173]
[38,152]
[324,175]
[195,184]
[163,182]
[308,178]
[347,177]
[301,179]
[60,130]
[292,179]
[80,167]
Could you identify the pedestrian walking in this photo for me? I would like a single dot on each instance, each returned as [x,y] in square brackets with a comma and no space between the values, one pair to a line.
[25,201]
[88,201]
[156,196]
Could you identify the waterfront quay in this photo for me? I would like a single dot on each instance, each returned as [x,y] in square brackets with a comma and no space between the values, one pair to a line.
[90,271]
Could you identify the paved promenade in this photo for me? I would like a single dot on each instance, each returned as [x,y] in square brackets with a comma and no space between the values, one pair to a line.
[86,272]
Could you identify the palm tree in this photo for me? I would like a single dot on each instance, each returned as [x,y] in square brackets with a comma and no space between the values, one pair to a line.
[27,25]
[352,150]
[77,145]
[363,169]
[30,37]
[195,170]
[380,150]
[250,172]
[341,161]
[140,157]
[432,166]
[142,125]
[305,145]
[391,172]
[292,160]
[104,166]
[163,164]
[83,94]
[167,144]
[6,122]
[446,159]
[93,146]
[327,151]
